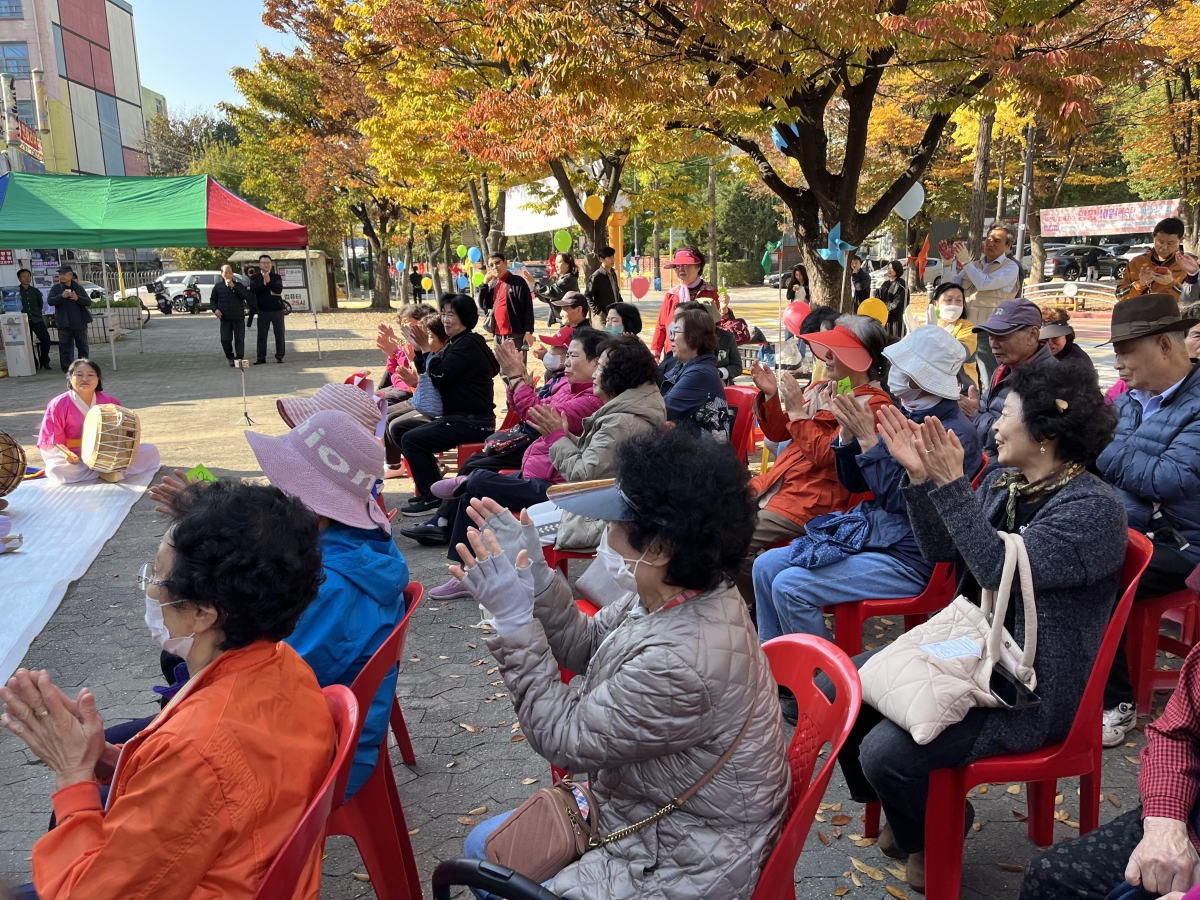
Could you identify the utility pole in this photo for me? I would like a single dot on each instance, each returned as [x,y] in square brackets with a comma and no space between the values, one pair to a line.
[1026,188]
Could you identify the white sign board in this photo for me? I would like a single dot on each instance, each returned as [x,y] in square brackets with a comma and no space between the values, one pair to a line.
[296,298]
[291,276]
[1113,218]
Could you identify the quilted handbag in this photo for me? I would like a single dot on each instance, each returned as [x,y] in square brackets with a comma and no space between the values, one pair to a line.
[426,400]
[931,676]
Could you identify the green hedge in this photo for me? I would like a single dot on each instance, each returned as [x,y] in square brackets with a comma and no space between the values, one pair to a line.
[740,273]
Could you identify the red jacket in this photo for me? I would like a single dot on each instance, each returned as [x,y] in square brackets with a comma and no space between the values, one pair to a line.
[204,798]
[660,343]
[808,482]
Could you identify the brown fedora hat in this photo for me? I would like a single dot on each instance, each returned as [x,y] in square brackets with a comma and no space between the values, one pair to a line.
[1147,315]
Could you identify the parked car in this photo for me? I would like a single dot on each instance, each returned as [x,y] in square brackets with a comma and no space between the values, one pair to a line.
[1069,262]
[176,283]
[1136,250]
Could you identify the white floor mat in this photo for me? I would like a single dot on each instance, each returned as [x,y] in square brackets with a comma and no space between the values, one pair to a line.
[64,528]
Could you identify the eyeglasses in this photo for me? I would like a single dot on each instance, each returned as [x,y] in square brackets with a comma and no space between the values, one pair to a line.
[145,577]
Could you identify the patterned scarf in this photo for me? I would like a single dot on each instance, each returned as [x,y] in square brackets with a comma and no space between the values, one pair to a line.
[1018,487]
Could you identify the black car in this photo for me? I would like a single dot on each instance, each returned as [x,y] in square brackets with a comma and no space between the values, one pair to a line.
[1070,263]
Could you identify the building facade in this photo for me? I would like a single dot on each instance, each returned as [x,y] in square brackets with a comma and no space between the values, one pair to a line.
[88,52]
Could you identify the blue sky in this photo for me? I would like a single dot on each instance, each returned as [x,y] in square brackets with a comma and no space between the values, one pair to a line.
[186,49]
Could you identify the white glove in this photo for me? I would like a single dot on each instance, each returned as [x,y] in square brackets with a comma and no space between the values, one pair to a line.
[962,254]
[515,537]
[506,591]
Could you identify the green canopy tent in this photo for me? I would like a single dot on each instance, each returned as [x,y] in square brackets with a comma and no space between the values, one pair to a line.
[106,213]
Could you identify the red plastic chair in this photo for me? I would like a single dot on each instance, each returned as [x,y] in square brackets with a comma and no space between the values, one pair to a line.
[1079,754]
[741,399]
[373,817]
[308,838]
[1144,641]
[795,659]
[558,559]
[849,618]
[588,608]
[510,419]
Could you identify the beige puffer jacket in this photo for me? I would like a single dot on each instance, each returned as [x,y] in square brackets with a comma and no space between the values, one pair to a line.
[591,455]
[664,697]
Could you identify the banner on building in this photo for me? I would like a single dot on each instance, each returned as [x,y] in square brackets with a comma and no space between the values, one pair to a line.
[31,142]
[1112,218]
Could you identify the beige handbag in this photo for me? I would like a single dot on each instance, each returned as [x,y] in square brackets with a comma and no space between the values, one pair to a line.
[558,824]
[931,676]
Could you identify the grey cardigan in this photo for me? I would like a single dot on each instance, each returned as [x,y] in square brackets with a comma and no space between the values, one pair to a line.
[1076,545]
[665,695]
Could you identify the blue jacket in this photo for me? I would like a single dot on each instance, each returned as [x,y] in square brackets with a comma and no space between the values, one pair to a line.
[358,606]
[694,393]
[1158,461]
[875,470]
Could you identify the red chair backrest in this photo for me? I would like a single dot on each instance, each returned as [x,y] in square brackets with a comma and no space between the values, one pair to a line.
[795,659]
[1091,707]
[982,468]
[366,683]
[281,879]
[741,399]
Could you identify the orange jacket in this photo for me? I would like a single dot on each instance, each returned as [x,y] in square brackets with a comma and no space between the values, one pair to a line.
[1130,285]
[808,482]
[204,798]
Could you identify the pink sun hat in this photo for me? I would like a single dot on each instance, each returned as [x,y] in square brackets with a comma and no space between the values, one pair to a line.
[685,257]
[363,405]
[330,463]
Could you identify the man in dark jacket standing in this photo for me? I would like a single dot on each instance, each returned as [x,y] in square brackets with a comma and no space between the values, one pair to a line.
[1153,462]
[228,301]
[31,305]
[603,287]
[510,300]
[71,316]
[267,288]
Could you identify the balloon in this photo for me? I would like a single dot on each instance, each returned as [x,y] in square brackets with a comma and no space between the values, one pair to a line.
[427,282]
[639,285]
[875,308]
[593,206]
[478,278]
[461,251]
[399,265]
[794,315]
[463,281]
[474,255]
[562,241]
[910,204]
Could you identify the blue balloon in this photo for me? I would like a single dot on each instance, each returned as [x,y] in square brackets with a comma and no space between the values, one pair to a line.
[399,265]
[463,281]
[474,255]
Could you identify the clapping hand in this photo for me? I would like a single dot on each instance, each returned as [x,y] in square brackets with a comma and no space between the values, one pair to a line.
[1188,263]
[494,582]
[943,459]
[546,419]
[961,253]
[418,336]
[386,340]
[408,376]
[509,358]
[514,535]
[944,251]
[969,405]
[539,352]
[792,397]
[764,379]
[167,492]
[71,747]
[900,436]
[856,419]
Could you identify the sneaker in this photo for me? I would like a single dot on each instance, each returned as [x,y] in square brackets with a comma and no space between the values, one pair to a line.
[451,590]
[447,486]
[1118,722]
[422,504]
[428,534]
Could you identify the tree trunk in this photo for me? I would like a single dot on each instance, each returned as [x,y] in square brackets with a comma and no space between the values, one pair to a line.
[712,223]
[431,265]
[657,253]
[825,279]
[496,239]
[382,298]
[1037,249]
[979,184]
[405,287]
[1000,184]
[481,206]
[447,251]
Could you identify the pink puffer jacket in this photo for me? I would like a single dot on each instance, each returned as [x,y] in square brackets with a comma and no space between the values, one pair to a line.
[575,401]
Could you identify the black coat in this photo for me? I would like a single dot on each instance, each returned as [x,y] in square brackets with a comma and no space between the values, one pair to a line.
[520,303]
[70,314]
[268,295]
[603,290]
[860,282]
[463,373]
[229,301]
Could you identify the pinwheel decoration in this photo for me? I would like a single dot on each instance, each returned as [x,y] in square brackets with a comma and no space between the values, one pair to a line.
[782,133]
[837,248]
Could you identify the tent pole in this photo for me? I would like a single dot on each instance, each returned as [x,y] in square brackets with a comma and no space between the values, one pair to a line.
[137,296]
[112,338]
[312,302]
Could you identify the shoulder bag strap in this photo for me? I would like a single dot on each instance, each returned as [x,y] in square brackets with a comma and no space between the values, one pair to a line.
[1015,559]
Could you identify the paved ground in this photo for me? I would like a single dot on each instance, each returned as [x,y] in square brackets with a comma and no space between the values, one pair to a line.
[189,403]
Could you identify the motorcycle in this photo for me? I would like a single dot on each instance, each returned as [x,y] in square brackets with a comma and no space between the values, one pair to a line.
[188,301]
[161,300]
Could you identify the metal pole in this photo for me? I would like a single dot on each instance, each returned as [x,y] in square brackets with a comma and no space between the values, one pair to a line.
[1026,184]
[138,297]
[312,303]
[112,335]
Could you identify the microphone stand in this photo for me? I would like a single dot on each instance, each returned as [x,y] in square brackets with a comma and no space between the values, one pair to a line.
[242,365]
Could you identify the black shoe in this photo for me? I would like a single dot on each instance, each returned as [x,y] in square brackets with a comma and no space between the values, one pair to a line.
[259,362]
[789,706]
[231,362]
[279,359]
[429,534]
[421,504]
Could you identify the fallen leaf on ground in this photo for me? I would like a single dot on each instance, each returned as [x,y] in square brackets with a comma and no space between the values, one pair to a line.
[515,726]
[821,807]
[898,872]
[1062,815]
[443,657]
[451,765]
[870,871]
[1070,824]
[361,876]
[465,820]
[456,676]
[1134,760]
[1131,744]
[528,781]
[854,837]
[858,882]
[977,826]
[414,659]
[472,646]
[477,663]
[1011,867]
[983,789]
[837,807]
[841,891]
[489,699]
[870,646]
[459,627]
[1058,799]
[1019,816]
[516,738]
[470,728]
[494,683]
[896,892]
[477,811]
[493,670]
[823,838]
[819,818]
[1014,789]
[1114,800]
[840,819]
[865,842]
[887,621]
[837,833]
[502,723]
[414,831]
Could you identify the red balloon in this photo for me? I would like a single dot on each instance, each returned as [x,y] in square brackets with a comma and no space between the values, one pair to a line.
[795,314]
[639,285]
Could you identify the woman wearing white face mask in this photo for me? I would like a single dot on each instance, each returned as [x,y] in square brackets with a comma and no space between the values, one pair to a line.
[250,730]
[948,303]
[660,702]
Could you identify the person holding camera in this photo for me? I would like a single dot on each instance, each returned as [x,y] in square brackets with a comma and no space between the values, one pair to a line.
[71,316]
[228,302]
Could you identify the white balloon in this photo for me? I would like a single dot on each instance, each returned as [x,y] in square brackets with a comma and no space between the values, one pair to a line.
[910,204]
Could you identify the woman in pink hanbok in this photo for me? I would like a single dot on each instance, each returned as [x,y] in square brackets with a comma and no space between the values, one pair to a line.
[62,429]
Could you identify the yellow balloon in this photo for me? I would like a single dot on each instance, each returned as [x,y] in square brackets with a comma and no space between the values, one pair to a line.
[593,206]
[427,282]
[875,308]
